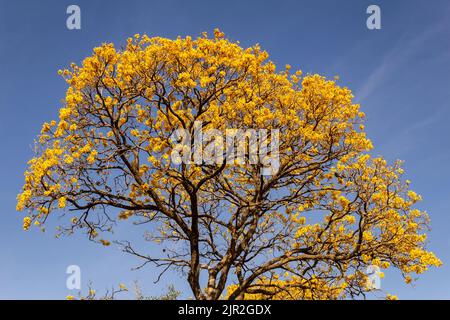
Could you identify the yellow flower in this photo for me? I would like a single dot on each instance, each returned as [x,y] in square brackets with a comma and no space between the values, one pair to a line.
[350,219]
[124,215]
[62,202]
[105,242]
[68,159]
[26,223]
[45,128]
[122,287]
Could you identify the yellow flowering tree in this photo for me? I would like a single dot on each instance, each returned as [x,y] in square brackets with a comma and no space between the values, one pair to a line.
[308,231]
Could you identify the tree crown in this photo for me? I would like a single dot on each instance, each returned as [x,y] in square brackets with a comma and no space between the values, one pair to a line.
[309,230]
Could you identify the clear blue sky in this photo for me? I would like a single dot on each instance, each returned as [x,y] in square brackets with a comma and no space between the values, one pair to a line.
[400,74]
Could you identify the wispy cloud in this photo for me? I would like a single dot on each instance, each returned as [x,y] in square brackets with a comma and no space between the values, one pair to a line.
[405,140]
[404,50]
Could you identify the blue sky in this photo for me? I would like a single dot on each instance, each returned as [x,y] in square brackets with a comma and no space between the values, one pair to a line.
[400,75]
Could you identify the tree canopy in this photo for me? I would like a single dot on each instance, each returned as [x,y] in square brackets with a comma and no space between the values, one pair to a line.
[307,231]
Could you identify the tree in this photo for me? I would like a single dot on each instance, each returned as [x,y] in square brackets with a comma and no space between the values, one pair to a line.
[307,231]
